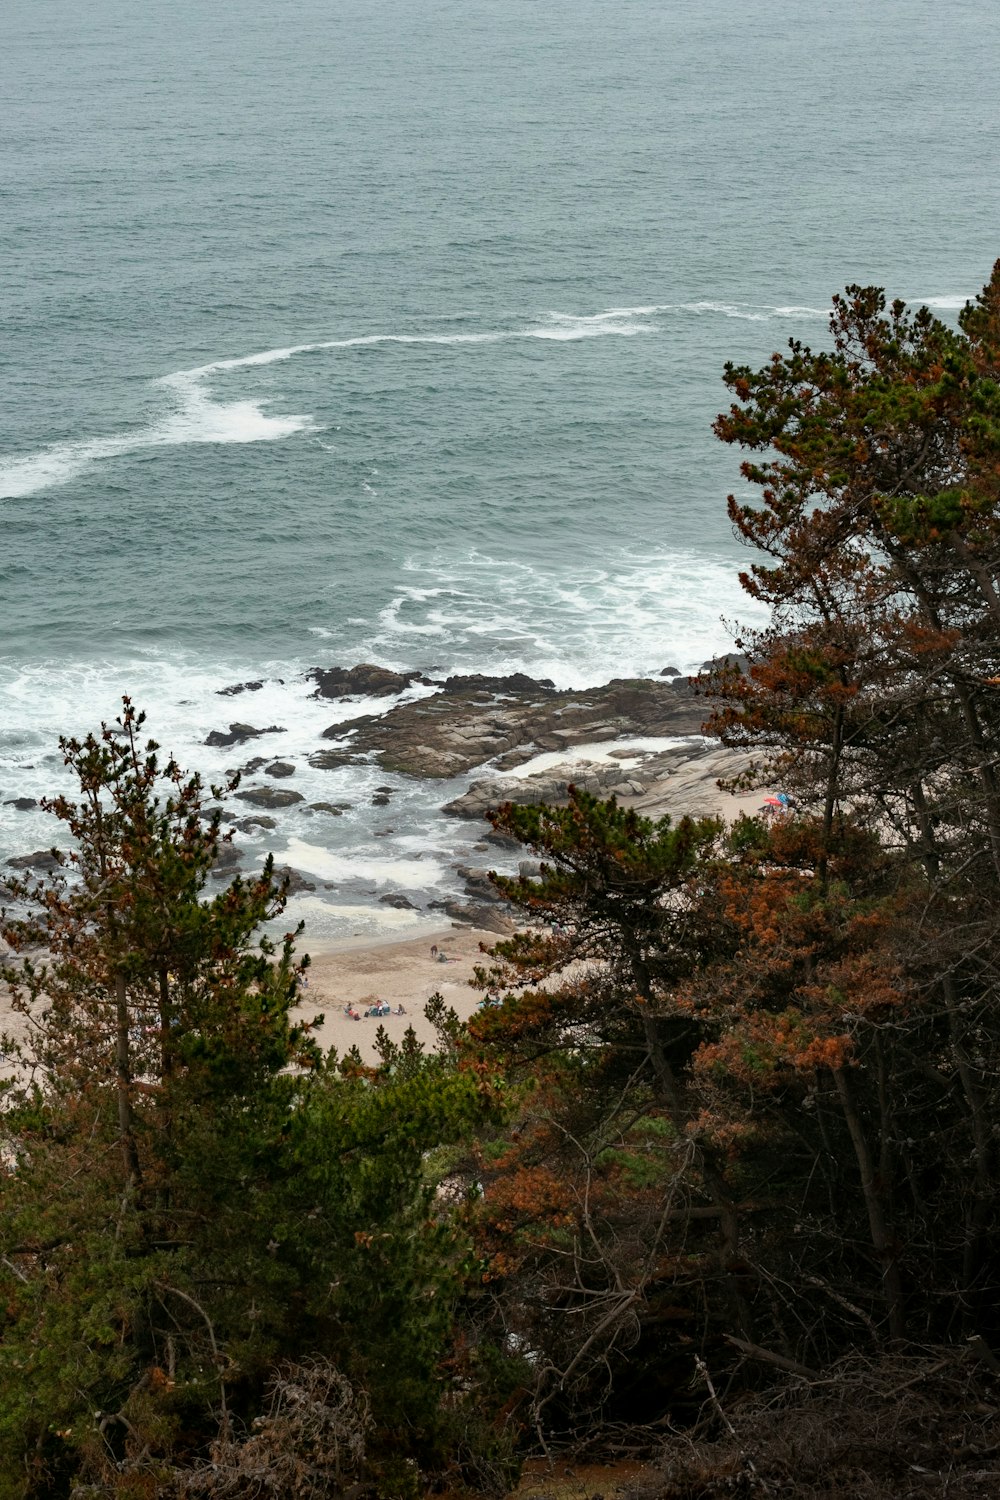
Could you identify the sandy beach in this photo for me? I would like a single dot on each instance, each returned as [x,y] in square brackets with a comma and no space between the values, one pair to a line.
[360,971]
[401,973]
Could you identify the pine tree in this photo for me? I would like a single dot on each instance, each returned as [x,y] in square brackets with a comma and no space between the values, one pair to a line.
[193,1195]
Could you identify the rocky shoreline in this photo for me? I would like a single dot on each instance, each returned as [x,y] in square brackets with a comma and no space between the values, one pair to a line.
[516,738]
[473,720]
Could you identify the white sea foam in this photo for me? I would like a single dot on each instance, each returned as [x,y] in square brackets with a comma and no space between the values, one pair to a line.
[596,753]
[325,919]
[728,310]
[314,859]
[195,418]
[195,415]
[942,304]
[580,627]
[471,613]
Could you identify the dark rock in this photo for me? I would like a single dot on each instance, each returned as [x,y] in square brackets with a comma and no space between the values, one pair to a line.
[296,880]
[502,840]
[388,790]
[208,813]
[670,672]
[280,768]
[335,809]
[517,683]
[238,734]
[383,833]
[270,796]
[478,883]
[728,659]
[515,758]
[239,687]
[247,825]
[227,858]
[380,800]
[479,719]
[253,766]
[332,760]
[475,915]
[365,679]
[399,901]
[41,859]
[349,727]
[23,804]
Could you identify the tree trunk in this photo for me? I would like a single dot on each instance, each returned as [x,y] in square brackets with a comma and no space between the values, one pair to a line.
[713,1178]
[975,1247]
[126,1126]
[882,1239]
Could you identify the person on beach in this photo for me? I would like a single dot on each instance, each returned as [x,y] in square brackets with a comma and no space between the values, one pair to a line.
[434,950]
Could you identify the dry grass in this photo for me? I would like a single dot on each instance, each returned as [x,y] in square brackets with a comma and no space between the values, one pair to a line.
[564,1480]
[911,1428]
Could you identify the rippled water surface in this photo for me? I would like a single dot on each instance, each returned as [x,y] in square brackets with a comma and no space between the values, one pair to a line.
[341,331]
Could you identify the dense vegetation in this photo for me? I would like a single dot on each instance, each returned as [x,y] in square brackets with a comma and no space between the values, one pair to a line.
[728,1117]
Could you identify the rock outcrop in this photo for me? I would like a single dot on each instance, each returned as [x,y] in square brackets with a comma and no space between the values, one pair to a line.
[270,796]
[238,734]
[488,918]
[45,860]
[226,861]
[365,679]
[477,719]
[679,781]
[297,882]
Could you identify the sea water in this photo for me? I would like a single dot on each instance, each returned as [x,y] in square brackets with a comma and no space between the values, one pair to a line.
[393,331]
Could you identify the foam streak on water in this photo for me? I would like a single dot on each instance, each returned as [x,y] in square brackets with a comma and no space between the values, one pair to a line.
[199,418]
[196,418]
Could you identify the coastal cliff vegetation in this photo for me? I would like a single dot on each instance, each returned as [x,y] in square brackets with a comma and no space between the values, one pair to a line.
[710,1178]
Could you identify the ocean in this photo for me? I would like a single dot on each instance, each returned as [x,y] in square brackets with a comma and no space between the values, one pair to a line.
[393,332]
